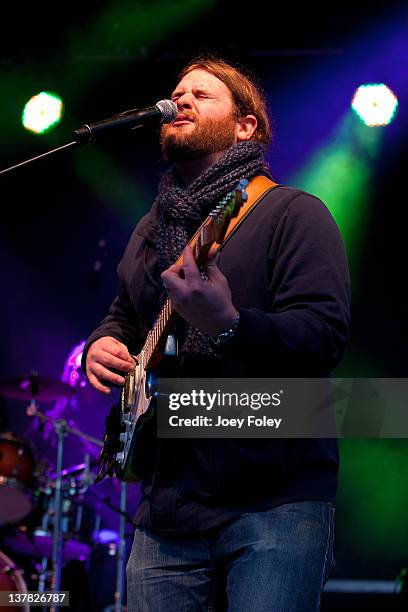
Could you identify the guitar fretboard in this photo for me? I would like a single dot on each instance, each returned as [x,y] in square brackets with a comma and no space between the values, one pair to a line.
[211,231]
[156,334]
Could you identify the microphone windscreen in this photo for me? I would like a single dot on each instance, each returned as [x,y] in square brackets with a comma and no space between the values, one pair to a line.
[168,109]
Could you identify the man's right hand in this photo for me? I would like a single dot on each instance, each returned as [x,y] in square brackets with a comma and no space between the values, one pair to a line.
[106,354]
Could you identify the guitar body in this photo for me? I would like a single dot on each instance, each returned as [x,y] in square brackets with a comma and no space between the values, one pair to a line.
[137,423]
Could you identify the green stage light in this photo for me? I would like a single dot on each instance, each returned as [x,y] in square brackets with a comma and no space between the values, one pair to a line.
[42,112]
[375,104]
[341,173]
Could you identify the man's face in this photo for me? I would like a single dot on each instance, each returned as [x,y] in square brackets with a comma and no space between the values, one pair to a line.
[206,121]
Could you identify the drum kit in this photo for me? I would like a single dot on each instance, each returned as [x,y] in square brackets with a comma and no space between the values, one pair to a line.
[43,515]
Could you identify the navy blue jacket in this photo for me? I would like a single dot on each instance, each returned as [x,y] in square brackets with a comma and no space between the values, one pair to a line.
[287,271]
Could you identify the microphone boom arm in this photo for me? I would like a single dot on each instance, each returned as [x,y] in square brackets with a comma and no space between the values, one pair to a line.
[164,112]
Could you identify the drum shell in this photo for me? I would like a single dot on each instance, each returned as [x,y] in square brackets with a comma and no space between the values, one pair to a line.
[34,537]
[11,580]
[17,460]
[17,467]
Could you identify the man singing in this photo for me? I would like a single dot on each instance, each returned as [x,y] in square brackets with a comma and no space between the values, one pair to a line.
[238,524]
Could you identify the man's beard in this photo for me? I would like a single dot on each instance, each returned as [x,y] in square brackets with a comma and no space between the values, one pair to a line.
[208,136]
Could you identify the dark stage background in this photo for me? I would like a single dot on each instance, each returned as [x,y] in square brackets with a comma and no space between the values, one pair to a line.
[65,222]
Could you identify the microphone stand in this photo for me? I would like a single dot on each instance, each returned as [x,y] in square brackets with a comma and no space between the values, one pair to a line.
[70,145]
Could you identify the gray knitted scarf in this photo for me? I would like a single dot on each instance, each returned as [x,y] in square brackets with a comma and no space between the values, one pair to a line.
[182,209]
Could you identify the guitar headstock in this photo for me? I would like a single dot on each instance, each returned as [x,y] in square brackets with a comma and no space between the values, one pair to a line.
[228,208]
[213,230]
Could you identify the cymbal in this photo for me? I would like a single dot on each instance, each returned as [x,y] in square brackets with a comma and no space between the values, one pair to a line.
[74,470]
[35,387]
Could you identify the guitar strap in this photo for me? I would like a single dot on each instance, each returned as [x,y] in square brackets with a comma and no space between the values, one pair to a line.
[257,188]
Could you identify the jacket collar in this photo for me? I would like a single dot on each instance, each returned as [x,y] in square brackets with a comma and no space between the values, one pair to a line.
[147,227]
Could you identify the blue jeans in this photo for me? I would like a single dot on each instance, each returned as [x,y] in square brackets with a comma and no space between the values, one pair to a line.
[277,560]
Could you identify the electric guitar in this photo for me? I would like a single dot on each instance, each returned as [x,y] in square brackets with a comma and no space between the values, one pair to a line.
[138,391]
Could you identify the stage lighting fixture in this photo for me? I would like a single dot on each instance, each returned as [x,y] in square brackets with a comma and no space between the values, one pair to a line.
[375,104]
[42,112]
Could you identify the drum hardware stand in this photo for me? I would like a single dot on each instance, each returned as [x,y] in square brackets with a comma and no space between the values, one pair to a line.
[124,519]
[57,535]
[61,429]
[121,553]
[43,575]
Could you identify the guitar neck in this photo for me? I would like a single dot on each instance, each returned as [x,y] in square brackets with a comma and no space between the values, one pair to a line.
[152,348]
[208,237]
[154,344]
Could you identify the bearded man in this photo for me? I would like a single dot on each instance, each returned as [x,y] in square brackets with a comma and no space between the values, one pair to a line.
[246,524]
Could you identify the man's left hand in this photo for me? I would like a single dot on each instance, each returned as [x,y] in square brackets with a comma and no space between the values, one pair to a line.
[205,303]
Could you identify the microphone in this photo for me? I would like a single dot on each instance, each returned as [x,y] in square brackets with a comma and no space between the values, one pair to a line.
[162,112]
